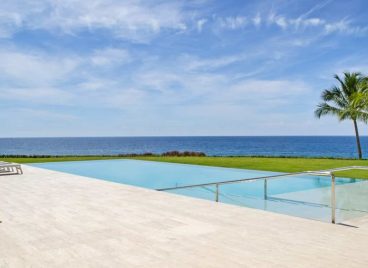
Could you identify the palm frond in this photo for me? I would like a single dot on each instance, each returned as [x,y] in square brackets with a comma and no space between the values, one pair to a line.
[363,116]
[335,95]
[348,100]
[342,85]
[326,109]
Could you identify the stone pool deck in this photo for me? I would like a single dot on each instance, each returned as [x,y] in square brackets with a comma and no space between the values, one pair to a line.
[53,219]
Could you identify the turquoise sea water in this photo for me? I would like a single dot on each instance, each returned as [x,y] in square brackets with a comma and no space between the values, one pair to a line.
[282,194]
[326,146]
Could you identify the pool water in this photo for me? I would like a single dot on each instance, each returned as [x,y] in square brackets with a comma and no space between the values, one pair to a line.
[304,196]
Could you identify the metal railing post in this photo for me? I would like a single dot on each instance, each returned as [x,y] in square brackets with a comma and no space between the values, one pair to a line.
[265,189]
[333,199]
[217,192]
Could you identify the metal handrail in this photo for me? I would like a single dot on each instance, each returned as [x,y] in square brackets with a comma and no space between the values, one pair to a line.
[328,172]
[242,180]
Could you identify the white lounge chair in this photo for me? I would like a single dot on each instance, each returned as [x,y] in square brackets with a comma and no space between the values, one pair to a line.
[10,168]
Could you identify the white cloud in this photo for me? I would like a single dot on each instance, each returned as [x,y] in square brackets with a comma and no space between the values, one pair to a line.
[304,23]
[283,22]
[33,77]
[159,78]
[141,21]
[49,96]
[176,86]
[126,98]
[110,57]
[92,83]
[30,68]
[344,26]
[183,84]
[313,22]
[9,23]
[200,24]
[257,20]
[280,21]
[157,86]
[194,63]
[271,93]
[133,19]
[76,82]
[232,23]
[41,114]
[102,92]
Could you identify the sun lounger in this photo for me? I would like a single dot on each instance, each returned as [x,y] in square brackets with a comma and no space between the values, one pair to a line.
[10,168]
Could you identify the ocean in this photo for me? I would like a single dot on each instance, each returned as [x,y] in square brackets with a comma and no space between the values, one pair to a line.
[309,146]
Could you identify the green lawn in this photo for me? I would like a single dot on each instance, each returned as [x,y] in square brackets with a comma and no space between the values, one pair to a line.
[257,163]
[272,163]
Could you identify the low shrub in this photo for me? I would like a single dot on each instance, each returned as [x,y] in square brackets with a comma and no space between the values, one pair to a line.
[185,153]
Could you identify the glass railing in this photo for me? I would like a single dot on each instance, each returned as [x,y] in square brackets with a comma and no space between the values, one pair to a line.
[314,195]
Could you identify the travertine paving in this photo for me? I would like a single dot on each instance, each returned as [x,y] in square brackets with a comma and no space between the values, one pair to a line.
[53,219]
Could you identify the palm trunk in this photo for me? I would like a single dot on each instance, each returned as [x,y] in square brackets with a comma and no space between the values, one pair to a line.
[357,139]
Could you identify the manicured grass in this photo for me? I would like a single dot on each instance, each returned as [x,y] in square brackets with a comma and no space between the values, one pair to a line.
[272,163]
[257,163]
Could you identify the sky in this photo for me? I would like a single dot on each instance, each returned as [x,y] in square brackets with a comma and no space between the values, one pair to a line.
[175,68]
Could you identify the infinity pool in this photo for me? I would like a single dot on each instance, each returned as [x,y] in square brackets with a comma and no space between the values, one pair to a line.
[303,196]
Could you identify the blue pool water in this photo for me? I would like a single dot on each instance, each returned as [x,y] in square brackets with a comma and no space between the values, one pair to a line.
[156,175]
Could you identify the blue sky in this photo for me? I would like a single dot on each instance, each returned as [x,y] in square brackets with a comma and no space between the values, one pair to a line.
[200,67]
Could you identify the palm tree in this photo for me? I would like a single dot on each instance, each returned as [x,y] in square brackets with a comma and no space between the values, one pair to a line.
[346,101]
